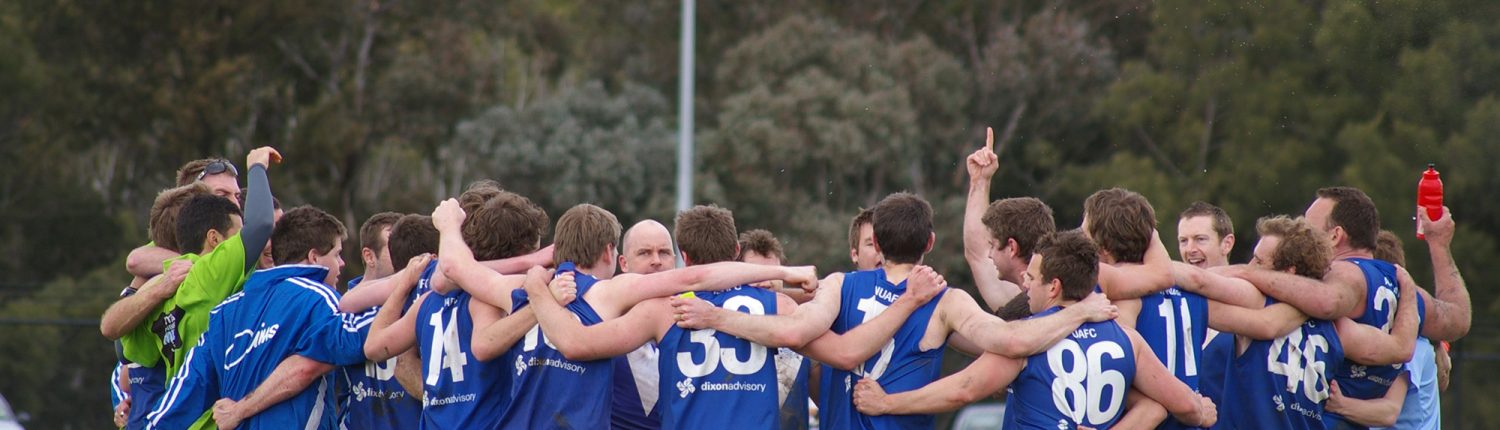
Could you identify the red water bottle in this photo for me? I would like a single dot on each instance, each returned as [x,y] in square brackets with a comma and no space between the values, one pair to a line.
[1430,196]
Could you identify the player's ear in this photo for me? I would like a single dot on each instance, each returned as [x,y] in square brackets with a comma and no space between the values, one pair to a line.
[931,239]
[367,255]
[1227,244]
[312,255]
[1015,249]
[1054,288]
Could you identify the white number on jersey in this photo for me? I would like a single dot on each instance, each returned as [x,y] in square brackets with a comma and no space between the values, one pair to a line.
[1298,358]
[1186,322]
[1385,301]
[381,370]
[873,308]
[446,353]
[713,355]
[1078,391]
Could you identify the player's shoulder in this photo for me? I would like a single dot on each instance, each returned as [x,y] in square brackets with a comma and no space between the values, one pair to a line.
[312,290]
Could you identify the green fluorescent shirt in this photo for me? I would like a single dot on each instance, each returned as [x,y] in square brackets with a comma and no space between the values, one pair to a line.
[182,318]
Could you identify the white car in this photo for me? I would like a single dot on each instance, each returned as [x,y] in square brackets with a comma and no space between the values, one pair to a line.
[7,417]
[980,416]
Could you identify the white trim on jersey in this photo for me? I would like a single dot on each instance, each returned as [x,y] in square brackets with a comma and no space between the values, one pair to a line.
[316,418]
[170,397]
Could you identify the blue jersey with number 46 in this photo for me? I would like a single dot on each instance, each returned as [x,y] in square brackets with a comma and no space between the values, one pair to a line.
[1283,383]
[1081,380]
[711,379]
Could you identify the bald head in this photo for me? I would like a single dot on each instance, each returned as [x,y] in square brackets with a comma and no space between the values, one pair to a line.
[647,249]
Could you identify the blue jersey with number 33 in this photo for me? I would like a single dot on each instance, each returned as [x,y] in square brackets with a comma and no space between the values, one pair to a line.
[1081,380]
[711,379]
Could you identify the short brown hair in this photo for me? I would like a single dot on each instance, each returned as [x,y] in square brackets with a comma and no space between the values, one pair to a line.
[478,192]
[163,220]
[412,235]
[865,216]
[369,232]
[760,242]
[303,229]
[1222,225]
[1356,213]
[1070,257]
[1388,247]
[1024,219]
[1121,222]
[705,234]
[506,225]
[584,233]
[1303,248]
[189,171]
[903,224]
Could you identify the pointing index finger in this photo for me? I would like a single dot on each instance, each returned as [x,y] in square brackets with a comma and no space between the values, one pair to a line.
[989,138]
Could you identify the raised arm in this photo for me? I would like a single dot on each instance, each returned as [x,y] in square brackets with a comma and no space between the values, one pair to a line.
[808,322]
[259,208]
[1378,412]
[130,311]
[1266,323]
[607,339]
[1336,295]
[1132,281]
[291,377]
[983,377]
[146,261]
[1024,338]
[458,262]
[851,349]
[1372,346]
[1153,380]
[982,165]
[1450,313]
[1224,289]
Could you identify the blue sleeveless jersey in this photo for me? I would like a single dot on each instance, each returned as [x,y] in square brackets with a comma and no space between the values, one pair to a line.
[1218,358]
[1174,323]
[146,387]
[633,402]
[711,379]
[1283,383]
[792,370]
[900,366]
[282,311]
[461,391]
[1382,291]
[369,395]
[1081,380]
[549,390]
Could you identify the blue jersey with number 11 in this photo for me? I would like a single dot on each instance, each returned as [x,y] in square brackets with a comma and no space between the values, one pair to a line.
[1174,323]
[1081,380]
[711,379]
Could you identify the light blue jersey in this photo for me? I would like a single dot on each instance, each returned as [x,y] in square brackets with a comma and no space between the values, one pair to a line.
[1081,380]
[900,366]
[283,311]
[711,379]
[549,390]
[1174,323]
[1421,410]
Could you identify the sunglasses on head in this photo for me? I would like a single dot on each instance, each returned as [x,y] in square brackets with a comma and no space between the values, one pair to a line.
[217,167]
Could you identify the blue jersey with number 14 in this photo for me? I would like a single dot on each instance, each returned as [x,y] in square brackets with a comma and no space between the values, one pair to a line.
[711,379]
[1081,380]
[1173,323]
[460,391]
